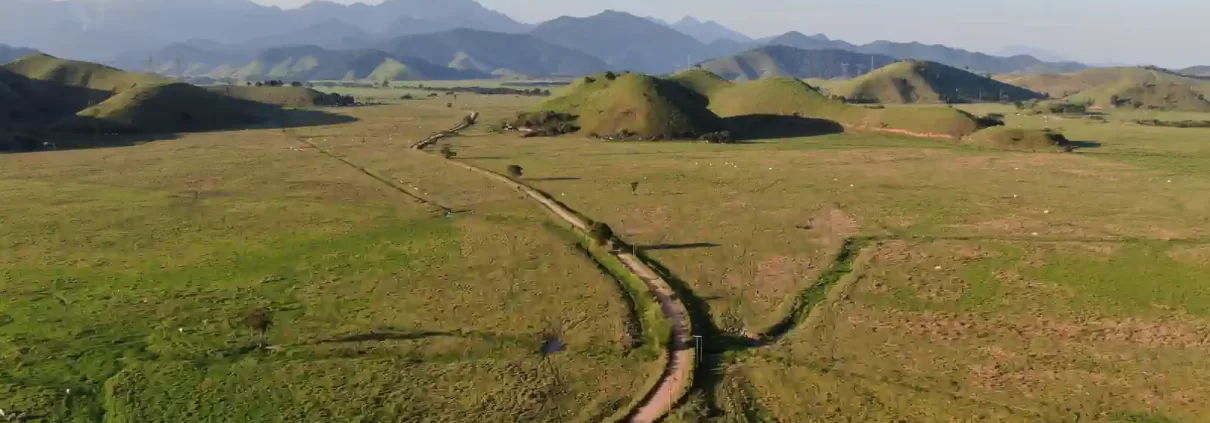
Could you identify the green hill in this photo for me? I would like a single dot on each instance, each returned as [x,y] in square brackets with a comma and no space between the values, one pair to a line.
[59,87]
[911,81]
[1001,137]
[277,96]
[1196,71]
[174,107]
[1135,87]
[302,63]
[701,81]
[642,105]
[778,61]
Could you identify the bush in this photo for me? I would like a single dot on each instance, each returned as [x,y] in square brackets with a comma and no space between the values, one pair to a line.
[515,171]
[992,119]
[448,152]
[1067,108]
[1175,123]
[721,137]
[589,79]
[611,76]
[600,233]
[406,97]
[296,84]
[543,124]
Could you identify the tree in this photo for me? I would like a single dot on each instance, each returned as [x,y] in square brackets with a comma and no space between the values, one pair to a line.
[259,320]
[296,84]
[260,84]
[634,187]
[448,152]
[611,76]
[600,233]
[249,83]
[515,171]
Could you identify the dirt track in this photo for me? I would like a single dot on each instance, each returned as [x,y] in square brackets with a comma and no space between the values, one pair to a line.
[678,370]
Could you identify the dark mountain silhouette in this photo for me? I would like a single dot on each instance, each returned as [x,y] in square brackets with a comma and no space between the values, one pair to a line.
[100,29]
[624,41]
[708,31]
[9,53]
[495,52]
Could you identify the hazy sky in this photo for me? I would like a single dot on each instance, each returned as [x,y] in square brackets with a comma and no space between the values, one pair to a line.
[1174,33]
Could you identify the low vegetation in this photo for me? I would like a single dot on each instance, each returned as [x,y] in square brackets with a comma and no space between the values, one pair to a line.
[1020,139]
[1174,123]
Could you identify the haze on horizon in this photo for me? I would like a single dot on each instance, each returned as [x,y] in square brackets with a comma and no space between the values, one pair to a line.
[1161,32]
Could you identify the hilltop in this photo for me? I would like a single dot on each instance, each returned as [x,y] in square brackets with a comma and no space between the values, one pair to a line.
[634,105]
[927,82]
[956,57]
[163,108]
[59,87]
[1196,71]
[783,61]
[1133,87]
[696,102]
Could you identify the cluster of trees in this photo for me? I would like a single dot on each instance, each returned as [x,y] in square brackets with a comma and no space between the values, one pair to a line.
[484,90]
[275,83]
[542,124]
[990,120]
[1175,123]
[720,137]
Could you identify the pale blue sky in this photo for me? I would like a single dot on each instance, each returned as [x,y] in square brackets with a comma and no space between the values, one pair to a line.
[1174,33]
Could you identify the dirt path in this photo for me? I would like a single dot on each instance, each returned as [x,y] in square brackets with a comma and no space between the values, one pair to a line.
[678,370]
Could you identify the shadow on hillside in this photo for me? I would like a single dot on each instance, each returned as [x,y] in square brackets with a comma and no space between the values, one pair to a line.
[86,133]
[757,127]
[1080,145]
[659,247]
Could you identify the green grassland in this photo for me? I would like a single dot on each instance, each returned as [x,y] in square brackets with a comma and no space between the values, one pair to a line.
[988,285]
[128,274]
[886,277]
[912,81]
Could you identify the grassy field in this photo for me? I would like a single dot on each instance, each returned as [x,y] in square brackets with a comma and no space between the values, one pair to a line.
[133,278]
[889,278]
[999,285]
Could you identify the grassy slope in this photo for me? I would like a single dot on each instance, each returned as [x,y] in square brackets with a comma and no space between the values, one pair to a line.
[787,97]
[927,82]
[641,104]
[1160,95]
[1063,85]
[382,310]
[1016,139]
[169,108]
[62,87]
[986,322]
[281,96]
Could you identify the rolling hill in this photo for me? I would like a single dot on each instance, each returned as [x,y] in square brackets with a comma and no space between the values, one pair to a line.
[163,108]
[784,61]
[1196,71]
[914,81]
[959,58]
[491,52]
[1134,87]
[59,87]
[315,63]
[624,41]
[634,105]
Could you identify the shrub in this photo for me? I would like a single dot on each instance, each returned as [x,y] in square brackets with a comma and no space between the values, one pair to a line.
[611,76]
[544,123]
[589,79]
[1067,108]
[448,152]
[600,233]
[721,137]
[406,97]
[515,171]
[296,84]
[992,119]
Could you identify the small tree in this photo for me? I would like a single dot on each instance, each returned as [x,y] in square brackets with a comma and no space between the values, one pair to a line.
[634,187]
[600,233]
[515,171]
[448,152]
[611,76]
[296,84]
[259,320]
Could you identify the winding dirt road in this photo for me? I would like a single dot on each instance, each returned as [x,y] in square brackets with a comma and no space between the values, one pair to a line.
[678,370]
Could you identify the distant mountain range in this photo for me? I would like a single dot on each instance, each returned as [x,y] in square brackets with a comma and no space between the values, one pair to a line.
[778,61]
[452,54]
[9,53]
[231,32]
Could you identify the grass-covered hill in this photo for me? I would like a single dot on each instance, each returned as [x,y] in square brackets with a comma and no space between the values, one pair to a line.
[1196,71]
[58,87]
[41,94]
[1132,87]
[780,61]
[634,105]
[172,107]
[913,81]
[1005,138]
[696,102]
